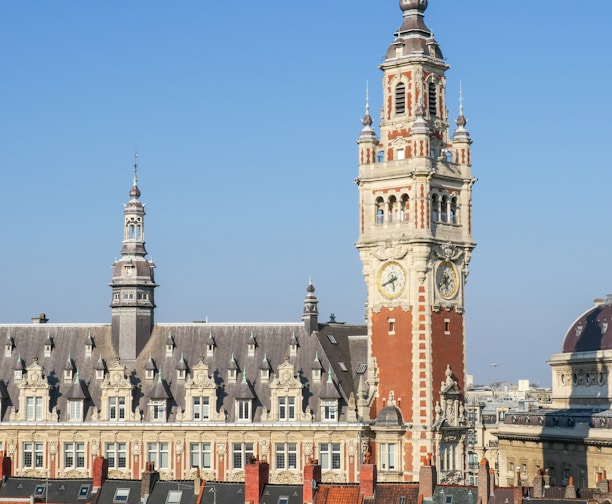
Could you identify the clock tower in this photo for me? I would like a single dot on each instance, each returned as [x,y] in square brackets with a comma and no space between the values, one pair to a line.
[415,243]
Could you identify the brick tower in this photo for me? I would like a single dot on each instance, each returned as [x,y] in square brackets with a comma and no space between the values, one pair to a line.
[415,243]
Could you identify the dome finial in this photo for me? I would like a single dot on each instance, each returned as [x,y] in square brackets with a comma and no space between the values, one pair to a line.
[461,120]
[367,119]
[134,191]
[419,5]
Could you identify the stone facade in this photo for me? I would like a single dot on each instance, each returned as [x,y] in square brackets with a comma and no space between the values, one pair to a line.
[199,398]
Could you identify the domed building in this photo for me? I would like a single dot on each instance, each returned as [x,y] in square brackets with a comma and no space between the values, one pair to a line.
[571,438]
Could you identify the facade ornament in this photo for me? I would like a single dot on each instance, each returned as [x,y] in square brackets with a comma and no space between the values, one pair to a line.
[447,252]
[137,447]
[390,251]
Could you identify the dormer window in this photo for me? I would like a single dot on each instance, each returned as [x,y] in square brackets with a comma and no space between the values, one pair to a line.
[251,348]
[180,374]
[18,374]
[75,410]
[316,374]
[210,350]
[169,346]
[158,410]
[329,410]
[293,349]
[88,349]
[48,346]
[231,374]
[149,374]
[201,408]
[264,374]
[68,374]
[99,374]
[243,410]
[8,347]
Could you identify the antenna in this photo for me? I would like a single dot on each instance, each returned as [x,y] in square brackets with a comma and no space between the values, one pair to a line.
[494,366]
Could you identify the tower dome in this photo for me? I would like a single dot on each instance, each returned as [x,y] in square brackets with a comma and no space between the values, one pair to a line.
[592,330]
[420,5]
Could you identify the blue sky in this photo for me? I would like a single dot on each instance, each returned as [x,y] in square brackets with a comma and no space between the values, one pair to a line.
[245,116]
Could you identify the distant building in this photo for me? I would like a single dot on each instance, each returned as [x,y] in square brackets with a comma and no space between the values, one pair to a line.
[208,399]
[570,438]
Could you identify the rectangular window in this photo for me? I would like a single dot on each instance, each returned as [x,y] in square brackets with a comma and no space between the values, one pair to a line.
[116,453]
[75,410]
[387,456]
[286,456]
[200,408]
[391,326]
[33,455]
[446,326]
[243,409]
[286,408]
[329,454]
[200,455]
[241,453]
[329,410]
[34,408]
[158,454]
[74,455]
[117,408]
[158,411]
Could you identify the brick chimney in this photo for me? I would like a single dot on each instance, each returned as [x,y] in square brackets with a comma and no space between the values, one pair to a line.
[484,483]
[149,478]
[428,478]
[491,482]
[100,472]
[312,478]
[518,495]
[6,467]
[367,480]
[255,479]
[570,489]
[602,484]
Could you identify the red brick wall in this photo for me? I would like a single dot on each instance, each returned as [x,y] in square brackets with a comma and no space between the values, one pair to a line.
[393,353]
[447,348]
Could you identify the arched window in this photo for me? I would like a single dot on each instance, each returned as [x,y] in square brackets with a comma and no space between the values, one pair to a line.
[400,99]
[380,156]
[392,208]
[433,101]
[380,211]
[453,211]
[404,208]
[435,208]
[444,209]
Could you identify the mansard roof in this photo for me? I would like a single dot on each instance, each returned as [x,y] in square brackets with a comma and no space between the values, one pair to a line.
[341,348]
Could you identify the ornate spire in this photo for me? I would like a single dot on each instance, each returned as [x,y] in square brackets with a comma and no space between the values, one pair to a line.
[461,133]
[310,315]
[135,192]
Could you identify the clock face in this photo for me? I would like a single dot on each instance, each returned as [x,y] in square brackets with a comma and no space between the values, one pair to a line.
[391,279]
[447,280]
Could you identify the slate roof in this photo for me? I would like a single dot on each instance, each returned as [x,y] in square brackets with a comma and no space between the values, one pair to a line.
[68,491]
[112,486]
[341,348]
[183,491]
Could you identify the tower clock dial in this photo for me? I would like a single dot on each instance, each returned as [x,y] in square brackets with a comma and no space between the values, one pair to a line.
[391,279]
[447,280]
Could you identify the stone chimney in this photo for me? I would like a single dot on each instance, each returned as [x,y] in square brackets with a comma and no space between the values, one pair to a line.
[546,478]
[484,483]
[6,467]
[41,319]
[570,489]
[312,478]
[255,479]
[100,472]
[367,480]
[428,478]
[149,478]
[538,485]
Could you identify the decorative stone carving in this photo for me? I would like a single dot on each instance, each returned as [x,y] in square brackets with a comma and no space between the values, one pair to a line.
[447,252]
[390,251]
